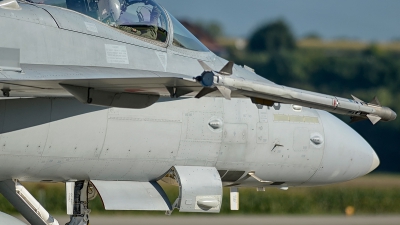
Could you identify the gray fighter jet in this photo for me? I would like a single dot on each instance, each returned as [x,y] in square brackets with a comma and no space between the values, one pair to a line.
[113,96]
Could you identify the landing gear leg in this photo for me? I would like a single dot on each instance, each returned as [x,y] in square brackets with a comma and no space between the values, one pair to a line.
[80,215]
[25,203]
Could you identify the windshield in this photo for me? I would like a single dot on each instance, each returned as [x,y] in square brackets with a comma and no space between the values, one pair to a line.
[184,39]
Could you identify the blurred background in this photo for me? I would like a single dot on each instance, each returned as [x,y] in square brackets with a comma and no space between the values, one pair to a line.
[333,47]
[340,48]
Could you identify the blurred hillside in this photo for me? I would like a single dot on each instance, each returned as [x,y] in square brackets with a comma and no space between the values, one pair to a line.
[339,67]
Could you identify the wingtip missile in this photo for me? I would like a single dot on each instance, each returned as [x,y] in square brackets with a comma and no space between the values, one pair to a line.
[206,79]
[226,92]
[356,99]
[227,70]
[374,119]
[381,113]
[205,66]
[376,101]
[205,91]
[358,109]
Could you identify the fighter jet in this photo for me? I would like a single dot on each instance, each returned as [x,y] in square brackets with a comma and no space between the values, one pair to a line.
[112,97]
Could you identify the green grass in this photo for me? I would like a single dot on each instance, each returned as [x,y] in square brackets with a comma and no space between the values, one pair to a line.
[374,194]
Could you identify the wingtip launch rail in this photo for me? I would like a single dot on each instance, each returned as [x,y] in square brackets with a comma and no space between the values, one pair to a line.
[267,94]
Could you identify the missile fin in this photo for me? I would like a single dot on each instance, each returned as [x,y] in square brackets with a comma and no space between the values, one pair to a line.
[374,119]
[355,119]
[205,66]
[226,92]
[228,69]
[204,92]
[376,101]
[357,99]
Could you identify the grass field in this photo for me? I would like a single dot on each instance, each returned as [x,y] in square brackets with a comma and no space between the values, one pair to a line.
[372,194]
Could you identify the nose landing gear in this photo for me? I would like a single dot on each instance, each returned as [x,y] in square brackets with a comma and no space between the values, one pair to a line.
[78,202]
[25,203]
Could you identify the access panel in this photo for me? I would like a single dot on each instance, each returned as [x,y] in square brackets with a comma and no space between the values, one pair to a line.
[200,189]
[131,195]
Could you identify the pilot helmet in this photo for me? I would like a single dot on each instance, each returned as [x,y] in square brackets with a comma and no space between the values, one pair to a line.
[109,10]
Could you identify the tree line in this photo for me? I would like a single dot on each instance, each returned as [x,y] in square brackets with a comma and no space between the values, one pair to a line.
[273,53]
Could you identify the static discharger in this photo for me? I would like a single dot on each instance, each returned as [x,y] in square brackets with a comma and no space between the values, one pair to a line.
[262,93]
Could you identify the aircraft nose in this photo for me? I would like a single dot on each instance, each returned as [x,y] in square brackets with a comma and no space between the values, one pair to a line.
[346,154]
[375,162]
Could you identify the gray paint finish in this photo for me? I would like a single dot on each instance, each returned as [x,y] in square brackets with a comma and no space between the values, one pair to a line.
[142,195]
[198,184]
[99,104]
[141,145]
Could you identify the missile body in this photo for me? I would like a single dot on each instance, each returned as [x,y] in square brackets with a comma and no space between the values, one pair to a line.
[282,94]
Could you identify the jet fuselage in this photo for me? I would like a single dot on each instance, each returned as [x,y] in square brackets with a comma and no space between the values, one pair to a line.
[108,103]
[60,139]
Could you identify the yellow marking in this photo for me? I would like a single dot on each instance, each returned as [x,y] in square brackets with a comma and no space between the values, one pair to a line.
[295,118]
[281,117]
[308,119]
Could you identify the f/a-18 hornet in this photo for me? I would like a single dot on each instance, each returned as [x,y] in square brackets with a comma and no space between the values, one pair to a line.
[113,96]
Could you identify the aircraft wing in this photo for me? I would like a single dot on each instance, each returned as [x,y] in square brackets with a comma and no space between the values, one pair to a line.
[129,88]
[98,85]
[39,81]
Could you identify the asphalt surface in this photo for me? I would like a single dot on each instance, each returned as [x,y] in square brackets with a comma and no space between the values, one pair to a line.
[240,220]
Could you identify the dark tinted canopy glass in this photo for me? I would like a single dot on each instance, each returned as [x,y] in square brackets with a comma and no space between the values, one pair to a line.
[144,18]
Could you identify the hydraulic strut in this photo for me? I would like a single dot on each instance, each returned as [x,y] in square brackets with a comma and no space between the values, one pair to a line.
[78,202]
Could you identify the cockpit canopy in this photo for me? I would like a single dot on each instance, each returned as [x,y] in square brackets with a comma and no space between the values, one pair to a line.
[144,18]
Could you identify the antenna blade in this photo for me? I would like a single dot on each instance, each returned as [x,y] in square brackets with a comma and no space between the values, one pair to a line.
[228,69]
[374,119]
[226,92]
[205,66]
[376,101]
[204,92]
